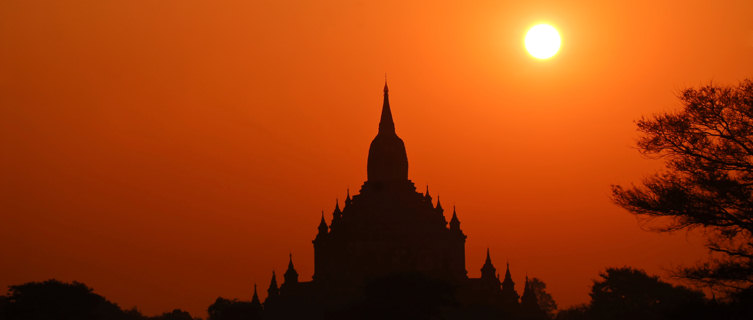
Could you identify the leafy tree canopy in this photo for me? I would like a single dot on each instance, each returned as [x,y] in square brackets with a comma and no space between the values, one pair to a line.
[708,181]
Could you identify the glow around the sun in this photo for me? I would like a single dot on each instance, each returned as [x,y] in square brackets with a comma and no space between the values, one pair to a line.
[542,41]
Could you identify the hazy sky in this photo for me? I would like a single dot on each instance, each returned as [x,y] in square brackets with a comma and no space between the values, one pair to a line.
[169,152]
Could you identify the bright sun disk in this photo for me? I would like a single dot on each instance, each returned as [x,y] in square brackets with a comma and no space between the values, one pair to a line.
[542,41]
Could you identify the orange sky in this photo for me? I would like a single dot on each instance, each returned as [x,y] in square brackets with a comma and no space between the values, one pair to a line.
[169,152]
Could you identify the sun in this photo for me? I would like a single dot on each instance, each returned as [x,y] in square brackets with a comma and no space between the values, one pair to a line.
[543,41]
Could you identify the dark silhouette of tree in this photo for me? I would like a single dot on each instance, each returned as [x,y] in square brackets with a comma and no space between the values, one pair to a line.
[545,300]
[53,299]
[4,303]
[627,293]
[224,309]
[573,313]
[57,300]
[708,147]
[176,314]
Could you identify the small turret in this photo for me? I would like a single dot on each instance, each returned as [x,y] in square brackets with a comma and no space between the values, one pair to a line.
[455,225]
[255,299]
[527,294]
[427,196]
[273,291]
[347,198]
[489,276]
[256,307]
[323,228]
[488,271]
[337,214]
[291,276]
[529,303]
[509,295]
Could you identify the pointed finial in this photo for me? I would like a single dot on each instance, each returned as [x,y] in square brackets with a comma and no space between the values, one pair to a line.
[337,204]
[439,204]
[386,89]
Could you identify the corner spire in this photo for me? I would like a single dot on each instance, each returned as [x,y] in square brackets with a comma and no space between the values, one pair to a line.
[337,214]
[255,302]
[322,226]
[255,299]
[528,299]
[273,291]
[291,276]
[488,271]
[509,295]
[455,223]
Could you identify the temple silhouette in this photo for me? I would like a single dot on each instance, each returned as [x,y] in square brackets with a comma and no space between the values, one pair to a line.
[390,252]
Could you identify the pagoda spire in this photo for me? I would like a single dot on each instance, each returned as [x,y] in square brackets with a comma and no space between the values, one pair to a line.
[439,205]
[386,125]
[387,160]
[347,197]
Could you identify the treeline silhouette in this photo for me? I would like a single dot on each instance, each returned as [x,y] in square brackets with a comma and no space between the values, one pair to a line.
[628,293]
[619,293]
[55,300]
